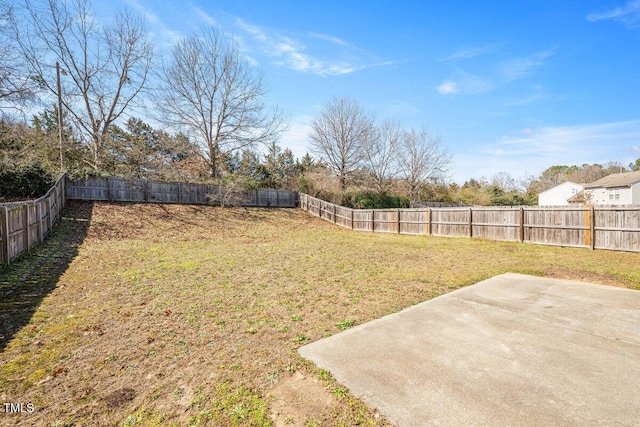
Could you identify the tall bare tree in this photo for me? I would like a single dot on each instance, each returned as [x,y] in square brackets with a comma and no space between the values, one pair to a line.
[338,135]
[380,152]
[422,159]
[106,65]
[213,95]
[16,88]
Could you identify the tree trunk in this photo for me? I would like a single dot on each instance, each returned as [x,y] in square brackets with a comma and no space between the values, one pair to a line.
[213,153]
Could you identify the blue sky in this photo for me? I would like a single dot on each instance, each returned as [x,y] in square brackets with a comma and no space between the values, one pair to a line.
[509,86]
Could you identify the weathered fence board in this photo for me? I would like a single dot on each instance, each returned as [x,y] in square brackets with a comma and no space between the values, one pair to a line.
[141,191]
[414,221]
[25,224]
[600,227]
[363,220]
[386,220]
[496,223]
[452,222]
[617,228]
[557,226]
[344,217]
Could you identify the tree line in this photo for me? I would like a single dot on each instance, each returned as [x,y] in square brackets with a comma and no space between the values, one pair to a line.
[208,105]
[386,156]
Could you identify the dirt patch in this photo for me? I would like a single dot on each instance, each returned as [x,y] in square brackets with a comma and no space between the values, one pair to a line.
[584,276]
[119,397]
[299,400]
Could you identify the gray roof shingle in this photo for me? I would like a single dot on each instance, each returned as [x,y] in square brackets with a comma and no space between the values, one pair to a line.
[625,179]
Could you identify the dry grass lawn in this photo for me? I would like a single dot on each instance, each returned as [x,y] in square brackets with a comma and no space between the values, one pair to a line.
[180,315]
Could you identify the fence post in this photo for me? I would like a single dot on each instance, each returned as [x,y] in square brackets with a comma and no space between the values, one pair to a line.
[57,198]
[335,218]
[373,220]
[398,221]
[49,214]
[25,227]
[39,216]
[4,231]
[521,228]
[592,227]
[352,225]
[470,222]
[63,190]
[109,188]
[430,218]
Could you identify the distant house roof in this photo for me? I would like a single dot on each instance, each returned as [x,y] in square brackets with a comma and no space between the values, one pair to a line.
[625,179]
[579,197]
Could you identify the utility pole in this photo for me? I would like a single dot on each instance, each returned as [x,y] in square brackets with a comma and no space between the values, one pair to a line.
[60,131]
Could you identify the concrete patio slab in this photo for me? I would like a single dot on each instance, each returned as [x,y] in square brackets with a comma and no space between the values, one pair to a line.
[513,350]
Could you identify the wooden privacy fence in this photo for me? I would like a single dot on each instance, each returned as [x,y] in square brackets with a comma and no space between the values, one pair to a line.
[25,224]
[143,191]
[594,227]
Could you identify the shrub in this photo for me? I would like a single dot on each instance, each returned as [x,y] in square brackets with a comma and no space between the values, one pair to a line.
[373,200]
[29,180]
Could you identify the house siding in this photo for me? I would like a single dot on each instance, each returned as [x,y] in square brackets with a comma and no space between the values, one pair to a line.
[635,194]
[559,195]
[600,196]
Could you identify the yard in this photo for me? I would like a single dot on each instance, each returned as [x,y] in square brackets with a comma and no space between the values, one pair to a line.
[182,315]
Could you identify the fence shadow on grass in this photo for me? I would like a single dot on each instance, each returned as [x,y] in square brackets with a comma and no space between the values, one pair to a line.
[30,278]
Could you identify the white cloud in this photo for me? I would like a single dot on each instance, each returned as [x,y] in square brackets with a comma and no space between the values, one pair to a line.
[518,68]
[469,53]
[205,17]
[331,39]
[253,30]
[448,88]
[465,83]
[508,70]
[534,150]
[167,36]
[292,53]
[628,14]
[592,139]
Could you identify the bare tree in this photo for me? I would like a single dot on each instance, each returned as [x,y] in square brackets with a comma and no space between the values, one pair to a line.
[338,135]
[380,152]
[505,181]
[422,159]
[209,92]
[106,65]
[16,88]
